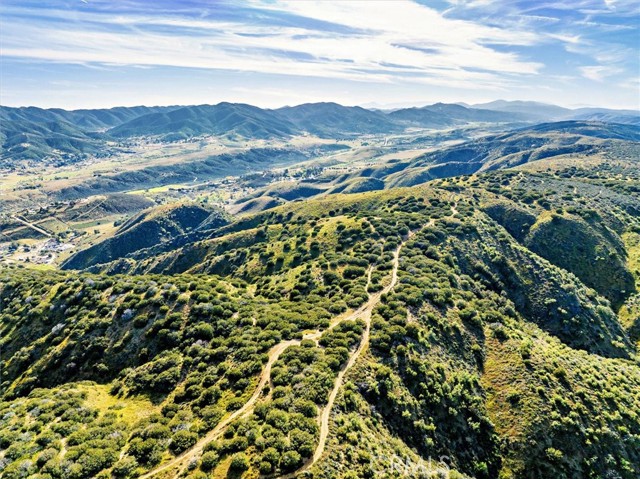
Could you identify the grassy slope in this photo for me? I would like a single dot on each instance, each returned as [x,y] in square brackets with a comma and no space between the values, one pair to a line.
[484,352]
[630,311]
[146,229]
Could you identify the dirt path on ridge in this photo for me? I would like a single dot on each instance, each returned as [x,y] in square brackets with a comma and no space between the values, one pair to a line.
[181,461]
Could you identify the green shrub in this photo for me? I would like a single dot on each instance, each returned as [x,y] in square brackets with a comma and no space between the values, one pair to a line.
[239,462]
[182,440]
[290,461]
[209,460]
[124,467]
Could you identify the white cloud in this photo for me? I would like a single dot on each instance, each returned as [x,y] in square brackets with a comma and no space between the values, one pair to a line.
[566,38]
[336,50]
[398,41]
[599,72]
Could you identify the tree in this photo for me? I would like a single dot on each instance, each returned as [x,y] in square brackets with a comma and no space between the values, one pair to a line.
[209,460]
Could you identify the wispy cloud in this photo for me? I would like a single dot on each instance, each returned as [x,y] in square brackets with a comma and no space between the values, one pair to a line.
[598,72]
[501,46]
[384,42]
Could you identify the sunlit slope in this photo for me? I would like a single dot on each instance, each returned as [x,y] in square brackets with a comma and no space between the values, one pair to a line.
[399,325]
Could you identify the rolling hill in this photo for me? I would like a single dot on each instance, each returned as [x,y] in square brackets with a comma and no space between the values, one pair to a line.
[460,320]
[222,119]
[24,141]
[333,120]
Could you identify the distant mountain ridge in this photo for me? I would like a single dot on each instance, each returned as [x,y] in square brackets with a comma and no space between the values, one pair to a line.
[536,111]
[31,133]
[449,114]
[221,119]
[36,134]
[332,119]
[86,119]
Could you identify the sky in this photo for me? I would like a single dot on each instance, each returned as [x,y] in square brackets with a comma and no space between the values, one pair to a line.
[270,53]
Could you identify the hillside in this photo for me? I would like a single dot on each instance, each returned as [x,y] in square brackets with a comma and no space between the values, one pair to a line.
[222,119]
[365,303]
[486,320]
[333,120]
[101,206]
[22,140]
[149,228]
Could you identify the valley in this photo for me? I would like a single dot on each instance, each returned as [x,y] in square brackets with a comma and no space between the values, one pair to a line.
[216,170]
[245,175]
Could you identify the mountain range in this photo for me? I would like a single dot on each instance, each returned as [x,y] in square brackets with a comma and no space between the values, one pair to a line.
[55,135]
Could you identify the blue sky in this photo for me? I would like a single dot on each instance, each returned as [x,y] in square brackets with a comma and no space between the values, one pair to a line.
[103,53]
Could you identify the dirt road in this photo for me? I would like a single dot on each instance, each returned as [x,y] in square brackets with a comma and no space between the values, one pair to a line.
[364,313]
[180,462]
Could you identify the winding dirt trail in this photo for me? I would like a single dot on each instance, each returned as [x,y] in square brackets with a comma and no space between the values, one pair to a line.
[179,463]
[364,313]
[182,460]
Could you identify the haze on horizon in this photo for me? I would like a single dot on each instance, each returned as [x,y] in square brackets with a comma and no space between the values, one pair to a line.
[95,54]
